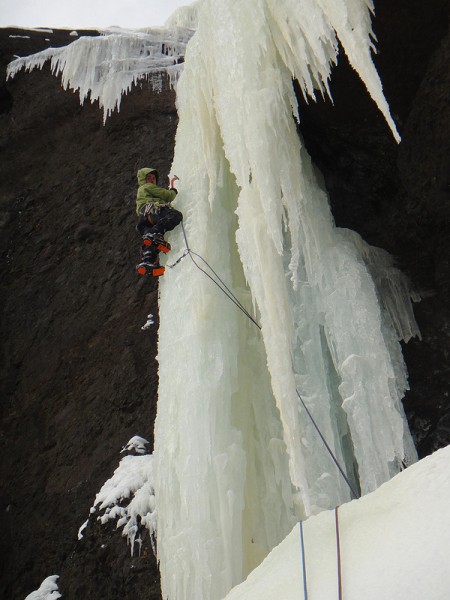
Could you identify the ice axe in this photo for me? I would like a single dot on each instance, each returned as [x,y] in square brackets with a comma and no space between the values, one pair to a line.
[174,178]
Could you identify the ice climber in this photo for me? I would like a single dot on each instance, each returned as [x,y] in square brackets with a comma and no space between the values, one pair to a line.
[156,216]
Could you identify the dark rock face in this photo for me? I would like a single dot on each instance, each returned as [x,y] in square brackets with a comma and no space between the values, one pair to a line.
[78,376]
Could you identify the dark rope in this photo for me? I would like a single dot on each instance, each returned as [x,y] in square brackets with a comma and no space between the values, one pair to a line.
[302,542]
[355,495]
[338,551]
[225,289]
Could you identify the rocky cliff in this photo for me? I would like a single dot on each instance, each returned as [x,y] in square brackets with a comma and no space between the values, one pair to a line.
[79,377]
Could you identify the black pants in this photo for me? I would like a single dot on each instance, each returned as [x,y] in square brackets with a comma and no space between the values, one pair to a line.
[163,219]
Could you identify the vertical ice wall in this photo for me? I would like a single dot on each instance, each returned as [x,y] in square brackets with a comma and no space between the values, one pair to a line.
[237,460]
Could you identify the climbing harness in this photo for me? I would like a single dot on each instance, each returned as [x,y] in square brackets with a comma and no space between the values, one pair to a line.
[150,209]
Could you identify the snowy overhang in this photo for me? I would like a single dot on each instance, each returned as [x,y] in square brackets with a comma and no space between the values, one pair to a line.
[105,67]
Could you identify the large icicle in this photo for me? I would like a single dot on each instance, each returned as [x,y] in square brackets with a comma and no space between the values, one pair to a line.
[105,67]
[237,459]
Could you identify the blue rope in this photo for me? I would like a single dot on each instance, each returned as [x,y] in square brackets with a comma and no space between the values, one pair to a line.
[302,542]
[338,553]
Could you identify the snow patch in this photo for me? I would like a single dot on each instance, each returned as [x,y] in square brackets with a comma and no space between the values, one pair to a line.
[149,322]
[48,590]
[394,544]
[137,444]
[82,528]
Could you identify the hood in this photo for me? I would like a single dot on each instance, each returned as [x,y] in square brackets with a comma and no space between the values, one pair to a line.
[142,174]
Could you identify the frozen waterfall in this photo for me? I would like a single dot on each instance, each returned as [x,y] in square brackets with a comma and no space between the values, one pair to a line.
[237,461]
[105,67]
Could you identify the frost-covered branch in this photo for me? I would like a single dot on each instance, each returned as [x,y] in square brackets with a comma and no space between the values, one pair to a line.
[128,497]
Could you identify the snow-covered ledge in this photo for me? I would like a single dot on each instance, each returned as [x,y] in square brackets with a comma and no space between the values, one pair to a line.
[394,544]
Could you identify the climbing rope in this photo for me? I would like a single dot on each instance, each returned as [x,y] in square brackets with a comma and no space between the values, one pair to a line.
[338,557]
[226,290]
[302,543]
[214,278]
[335,460]
[338,552]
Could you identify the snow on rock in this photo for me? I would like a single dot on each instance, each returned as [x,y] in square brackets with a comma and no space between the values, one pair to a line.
[394,544]
[82,528]
[128,496]
[48,590]
[74,33]
[137,444]
[149,322]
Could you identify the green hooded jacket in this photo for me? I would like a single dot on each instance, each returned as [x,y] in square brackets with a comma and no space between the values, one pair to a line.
[150,193]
